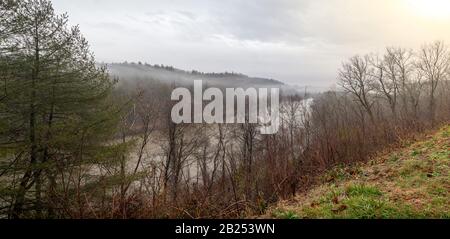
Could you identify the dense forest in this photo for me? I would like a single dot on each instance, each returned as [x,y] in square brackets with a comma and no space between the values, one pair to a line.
[76,143]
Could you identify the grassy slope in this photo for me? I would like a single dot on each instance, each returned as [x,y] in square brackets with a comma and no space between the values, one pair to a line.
[413,182]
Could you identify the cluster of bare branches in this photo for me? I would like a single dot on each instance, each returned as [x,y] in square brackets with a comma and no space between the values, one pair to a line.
[406,80]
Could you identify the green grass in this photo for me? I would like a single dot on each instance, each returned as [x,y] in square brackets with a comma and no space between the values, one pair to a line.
[361,190]
[410,183]
[286,215]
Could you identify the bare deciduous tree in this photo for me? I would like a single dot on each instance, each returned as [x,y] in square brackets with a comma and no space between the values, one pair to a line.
[434,64]
[356,77]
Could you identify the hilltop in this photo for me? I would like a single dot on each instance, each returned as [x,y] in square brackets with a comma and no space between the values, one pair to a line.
[412,182]
[169,75]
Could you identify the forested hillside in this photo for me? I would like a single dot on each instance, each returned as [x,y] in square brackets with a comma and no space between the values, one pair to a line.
[170,75]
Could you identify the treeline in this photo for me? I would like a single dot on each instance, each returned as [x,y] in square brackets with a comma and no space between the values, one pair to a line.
[74,145]
[384,99]
[193,72]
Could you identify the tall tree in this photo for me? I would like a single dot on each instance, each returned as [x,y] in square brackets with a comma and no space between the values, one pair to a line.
[57,113]
[357,78]
[434,63]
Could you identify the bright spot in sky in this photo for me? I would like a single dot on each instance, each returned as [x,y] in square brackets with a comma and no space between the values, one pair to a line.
[434,9]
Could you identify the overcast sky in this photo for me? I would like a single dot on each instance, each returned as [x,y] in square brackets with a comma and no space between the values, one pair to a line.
[299,42]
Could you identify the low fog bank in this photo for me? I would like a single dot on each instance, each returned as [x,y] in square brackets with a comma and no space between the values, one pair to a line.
[129,74]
